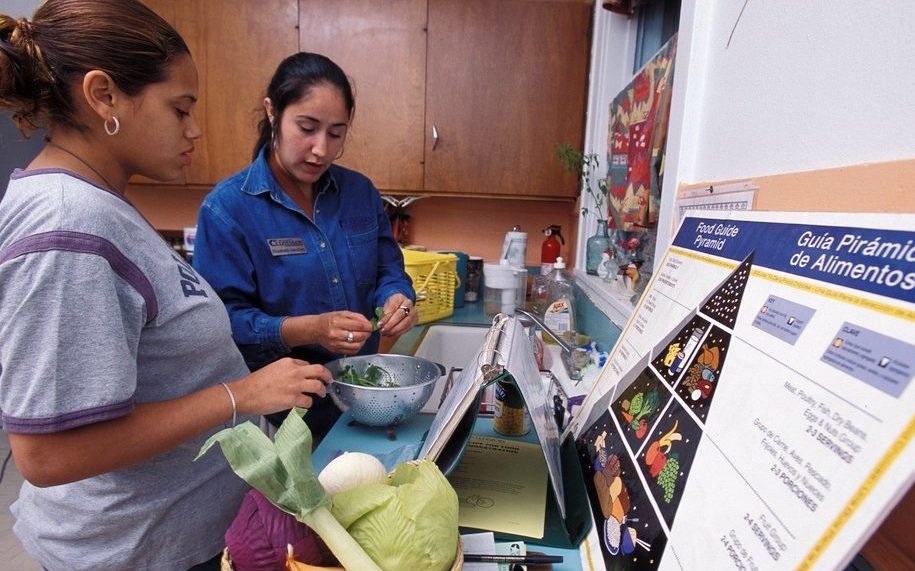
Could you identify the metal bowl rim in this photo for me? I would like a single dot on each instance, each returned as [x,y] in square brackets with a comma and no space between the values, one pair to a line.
[384,389]
[417,385]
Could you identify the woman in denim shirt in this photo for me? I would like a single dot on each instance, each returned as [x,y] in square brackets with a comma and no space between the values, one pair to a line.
[299,249]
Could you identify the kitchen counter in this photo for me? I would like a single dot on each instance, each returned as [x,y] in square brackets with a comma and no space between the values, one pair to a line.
[403,442]
[346,436]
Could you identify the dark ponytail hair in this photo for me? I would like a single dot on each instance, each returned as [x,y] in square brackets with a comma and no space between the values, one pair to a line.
[292,80]
[41,60]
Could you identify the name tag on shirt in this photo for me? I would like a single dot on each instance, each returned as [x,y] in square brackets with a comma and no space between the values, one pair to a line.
[286,246]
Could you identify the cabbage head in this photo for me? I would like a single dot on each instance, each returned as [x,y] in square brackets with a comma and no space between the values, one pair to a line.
[409,522]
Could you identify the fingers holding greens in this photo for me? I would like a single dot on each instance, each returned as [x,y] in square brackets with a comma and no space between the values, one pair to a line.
[372,376]
[379,313]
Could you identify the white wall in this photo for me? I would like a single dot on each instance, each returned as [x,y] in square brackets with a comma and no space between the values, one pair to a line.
[19,8]
[612,54]
[802,86]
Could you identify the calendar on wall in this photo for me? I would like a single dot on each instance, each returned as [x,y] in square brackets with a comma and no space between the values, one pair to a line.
[740,196]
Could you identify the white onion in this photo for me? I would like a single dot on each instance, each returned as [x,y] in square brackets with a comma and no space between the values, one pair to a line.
[351,470]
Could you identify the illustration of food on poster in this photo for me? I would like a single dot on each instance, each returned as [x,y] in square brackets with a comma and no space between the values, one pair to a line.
[757,411]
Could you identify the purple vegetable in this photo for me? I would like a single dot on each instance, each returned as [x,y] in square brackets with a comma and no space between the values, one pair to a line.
[257,538]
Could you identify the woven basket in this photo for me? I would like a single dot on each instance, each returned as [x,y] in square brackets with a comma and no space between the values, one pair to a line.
[226,562]
[434,280]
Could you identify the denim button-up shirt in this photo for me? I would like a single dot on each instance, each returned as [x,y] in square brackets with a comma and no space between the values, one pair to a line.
[268,260]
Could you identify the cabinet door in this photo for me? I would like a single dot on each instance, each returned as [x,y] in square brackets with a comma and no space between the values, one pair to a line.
[382,48]
[236,45]
[168,10]
[506,83]
[242,42]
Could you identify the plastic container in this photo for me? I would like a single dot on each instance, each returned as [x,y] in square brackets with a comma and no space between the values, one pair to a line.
[504,288]
[559,314]
[514,247]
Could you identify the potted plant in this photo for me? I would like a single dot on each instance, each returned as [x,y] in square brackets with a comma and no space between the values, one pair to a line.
[585,166]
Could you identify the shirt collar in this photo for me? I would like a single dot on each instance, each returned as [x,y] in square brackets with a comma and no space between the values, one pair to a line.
[260,178]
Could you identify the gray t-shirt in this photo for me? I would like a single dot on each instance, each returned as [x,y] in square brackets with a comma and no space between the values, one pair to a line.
[98,313]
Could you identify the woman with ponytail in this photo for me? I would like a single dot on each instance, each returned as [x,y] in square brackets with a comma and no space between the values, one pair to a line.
[116,357]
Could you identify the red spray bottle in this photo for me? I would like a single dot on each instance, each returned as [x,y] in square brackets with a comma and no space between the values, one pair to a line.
[550,249]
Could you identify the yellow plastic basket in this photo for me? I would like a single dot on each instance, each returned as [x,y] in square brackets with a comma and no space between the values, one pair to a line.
[434,281]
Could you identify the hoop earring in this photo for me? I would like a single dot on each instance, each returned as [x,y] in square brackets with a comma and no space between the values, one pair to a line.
[117,126]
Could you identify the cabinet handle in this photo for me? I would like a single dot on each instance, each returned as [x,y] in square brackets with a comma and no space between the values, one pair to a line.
[434,136]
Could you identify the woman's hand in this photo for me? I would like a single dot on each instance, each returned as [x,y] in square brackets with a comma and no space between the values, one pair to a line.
[399,316]
[55,458]
[280,386]
[343,332]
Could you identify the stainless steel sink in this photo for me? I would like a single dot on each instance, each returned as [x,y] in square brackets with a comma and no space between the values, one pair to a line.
[452,346]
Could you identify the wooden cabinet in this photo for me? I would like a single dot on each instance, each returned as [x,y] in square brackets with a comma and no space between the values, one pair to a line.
[236,45]
[500,82]
[382,47]
[506,83]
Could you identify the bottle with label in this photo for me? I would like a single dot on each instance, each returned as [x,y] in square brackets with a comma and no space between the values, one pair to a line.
[510,418]
[559,315]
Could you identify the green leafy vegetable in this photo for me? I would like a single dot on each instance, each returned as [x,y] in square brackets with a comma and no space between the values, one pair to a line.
[373,376]
[283,472]
[379,313]
[412,523]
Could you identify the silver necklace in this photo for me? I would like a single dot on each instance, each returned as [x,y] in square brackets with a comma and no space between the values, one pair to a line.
[90,167]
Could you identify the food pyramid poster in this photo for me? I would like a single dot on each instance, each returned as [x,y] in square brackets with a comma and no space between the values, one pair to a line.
[757,411]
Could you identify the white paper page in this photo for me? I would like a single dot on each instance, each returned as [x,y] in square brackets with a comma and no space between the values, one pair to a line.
[523,367]
[483,544]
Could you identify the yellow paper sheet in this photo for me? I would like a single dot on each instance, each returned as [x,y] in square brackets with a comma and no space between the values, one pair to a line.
[501,486]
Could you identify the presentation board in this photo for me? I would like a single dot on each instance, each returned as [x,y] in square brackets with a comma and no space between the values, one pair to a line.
[757,411]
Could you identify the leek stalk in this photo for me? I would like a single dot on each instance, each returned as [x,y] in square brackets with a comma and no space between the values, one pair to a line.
[282,470]
[347,551]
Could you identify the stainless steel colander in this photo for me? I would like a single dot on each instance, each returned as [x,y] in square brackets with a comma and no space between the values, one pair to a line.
[414,379]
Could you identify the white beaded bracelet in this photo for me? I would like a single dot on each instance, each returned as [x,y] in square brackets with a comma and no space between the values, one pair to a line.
[232,398]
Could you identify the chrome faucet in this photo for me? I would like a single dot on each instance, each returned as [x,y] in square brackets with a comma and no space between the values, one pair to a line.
[573,358]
